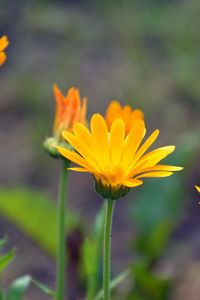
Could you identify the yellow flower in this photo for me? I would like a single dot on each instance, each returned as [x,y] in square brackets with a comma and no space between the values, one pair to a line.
[69,110]
[198,188]
[126,113]
[3,45]
[117,161]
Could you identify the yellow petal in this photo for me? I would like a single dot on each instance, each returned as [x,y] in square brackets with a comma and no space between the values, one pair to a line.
[79,170]
[82,133]
[132,143]
[81,147]
[146,145]
[4,42]
[100,135]
[155,174]
[198,188]
[162,168]
[117,135]
[73,156]
[150,159]
[132,182]
[2,58]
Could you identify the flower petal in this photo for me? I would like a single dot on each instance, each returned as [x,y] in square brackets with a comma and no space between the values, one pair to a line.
[2,58]
[82,133]
[132,143]
[100,135]
[81,147]
[4,42]
[132,182]
[150,159]
[117,135]
[162,168]
[146,144]
[79,169]
[155,174]
[198,188]
[73,156]
[112,112]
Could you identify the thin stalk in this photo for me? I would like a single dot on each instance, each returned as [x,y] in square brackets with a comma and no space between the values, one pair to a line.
[107,248]
[91,288]
[61,248]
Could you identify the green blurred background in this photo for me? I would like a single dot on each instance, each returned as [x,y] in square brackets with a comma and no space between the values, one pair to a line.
[143,53]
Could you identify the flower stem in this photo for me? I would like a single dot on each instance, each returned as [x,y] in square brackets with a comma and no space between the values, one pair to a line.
[61,248]
[107,248]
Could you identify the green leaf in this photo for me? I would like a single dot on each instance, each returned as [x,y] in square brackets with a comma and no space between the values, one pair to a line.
[43,287]
[92,245]
[149,285]
[1,295]
[89,254]
[18,288]
[35,214]
[99,221]
[156,210]
[114,283]
[92,253]
[3,242]
[6,259]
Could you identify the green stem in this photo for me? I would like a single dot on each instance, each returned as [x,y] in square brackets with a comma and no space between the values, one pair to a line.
[61,248]
[91,288]
[107,248]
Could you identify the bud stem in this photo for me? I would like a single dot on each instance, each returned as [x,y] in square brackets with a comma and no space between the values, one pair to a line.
[61,245]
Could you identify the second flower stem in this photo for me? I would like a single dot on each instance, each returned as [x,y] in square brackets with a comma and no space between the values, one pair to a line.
[61,245]
[107,248]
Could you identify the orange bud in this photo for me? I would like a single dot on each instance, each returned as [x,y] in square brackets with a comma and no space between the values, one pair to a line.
[69,110]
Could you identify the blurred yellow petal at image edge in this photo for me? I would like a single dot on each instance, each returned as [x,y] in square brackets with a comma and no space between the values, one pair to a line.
[198,188]
[3,45]
[126,113]
[69,110]
[118,162]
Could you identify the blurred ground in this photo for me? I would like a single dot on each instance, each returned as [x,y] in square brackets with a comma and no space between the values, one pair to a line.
[142,53]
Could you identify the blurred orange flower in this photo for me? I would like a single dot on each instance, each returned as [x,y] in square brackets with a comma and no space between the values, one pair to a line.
[126,113]
[4,42]
[198,188]
[69,110]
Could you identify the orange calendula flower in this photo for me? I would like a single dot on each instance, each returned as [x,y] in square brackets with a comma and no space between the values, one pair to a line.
[3,45]
[69,110]
[198,188]
[126,113]
[118,162]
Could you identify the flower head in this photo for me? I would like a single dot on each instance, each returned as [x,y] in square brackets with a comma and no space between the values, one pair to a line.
[118,162]
[126,113]
[3,45]
[198,188]
[69,110]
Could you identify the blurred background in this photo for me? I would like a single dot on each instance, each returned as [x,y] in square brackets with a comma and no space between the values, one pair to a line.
[143,53]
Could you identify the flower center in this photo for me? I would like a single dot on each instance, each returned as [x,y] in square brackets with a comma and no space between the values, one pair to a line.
[115,175]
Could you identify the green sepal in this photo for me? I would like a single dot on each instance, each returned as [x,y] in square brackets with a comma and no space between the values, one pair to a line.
[107,191]
[49,147]
[6,259]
